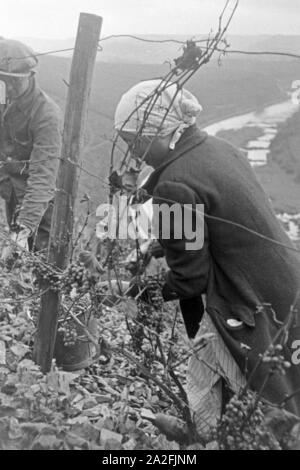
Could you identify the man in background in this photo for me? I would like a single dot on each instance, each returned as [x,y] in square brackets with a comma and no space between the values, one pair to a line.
[30,144]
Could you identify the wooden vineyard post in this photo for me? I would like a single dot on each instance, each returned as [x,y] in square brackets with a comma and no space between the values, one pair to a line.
[83,62]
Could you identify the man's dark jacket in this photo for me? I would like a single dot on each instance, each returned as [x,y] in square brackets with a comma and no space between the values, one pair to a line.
[245,277]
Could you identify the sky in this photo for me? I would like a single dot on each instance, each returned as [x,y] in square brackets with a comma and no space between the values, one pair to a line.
[58,19]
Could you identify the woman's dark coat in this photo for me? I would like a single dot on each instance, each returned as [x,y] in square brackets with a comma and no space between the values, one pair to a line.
[245,277]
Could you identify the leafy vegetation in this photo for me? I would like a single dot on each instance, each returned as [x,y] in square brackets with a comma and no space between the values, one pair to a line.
[132,395]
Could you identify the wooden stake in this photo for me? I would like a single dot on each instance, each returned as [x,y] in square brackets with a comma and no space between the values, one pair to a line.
[83,62]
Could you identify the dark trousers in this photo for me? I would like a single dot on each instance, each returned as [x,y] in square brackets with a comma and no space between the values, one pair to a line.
[192,312]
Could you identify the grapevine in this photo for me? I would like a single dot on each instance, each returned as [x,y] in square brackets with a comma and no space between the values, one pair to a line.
[46,273]
[242,426]
[149,319]
[79,278]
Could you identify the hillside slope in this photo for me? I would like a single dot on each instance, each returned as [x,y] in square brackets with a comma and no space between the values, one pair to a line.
[235,87]
[281,177]
[286,147]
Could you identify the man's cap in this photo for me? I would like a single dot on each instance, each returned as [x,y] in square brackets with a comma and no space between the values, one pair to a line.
[16,59]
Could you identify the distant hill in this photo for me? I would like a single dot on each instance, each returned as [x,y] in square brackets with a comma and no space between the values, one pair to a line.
[286,147]
[237,86]
[129,50]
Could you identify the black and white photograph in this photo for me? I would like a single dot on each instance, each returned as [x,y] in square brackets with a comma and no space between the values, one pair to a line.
[149,228]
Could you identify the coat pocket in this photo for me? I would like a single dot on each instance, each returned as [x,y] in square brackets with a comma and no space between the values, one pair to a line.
[234,316]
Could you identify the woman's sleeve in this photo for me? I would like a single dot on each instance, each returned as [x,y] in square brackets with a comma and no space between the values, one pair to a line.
[184,237]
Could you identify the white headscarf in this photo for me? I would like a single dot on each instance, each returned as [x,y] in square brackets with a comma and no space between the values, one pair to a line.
[182,112]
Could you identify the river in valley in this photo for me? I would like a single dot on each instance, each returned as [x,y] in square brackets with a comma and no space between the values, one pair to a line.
[258,150]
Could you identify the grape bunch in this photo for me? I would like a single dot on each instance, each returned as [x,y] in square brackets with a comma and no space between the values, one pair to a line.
[78,277]
[275,359]
[69,335]
[149,316]
[45,272]
[242,426]
[153,285]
